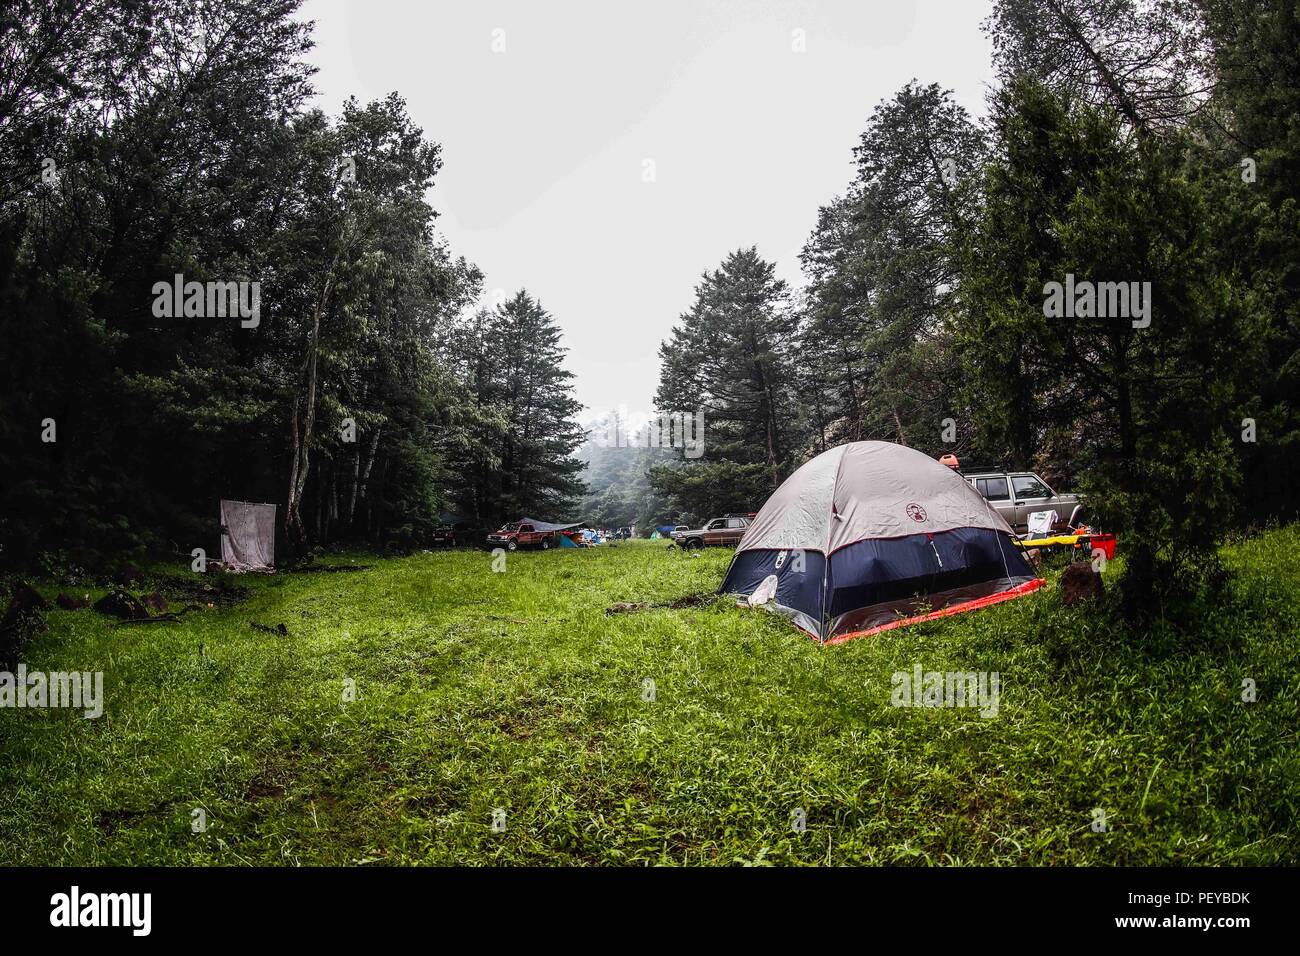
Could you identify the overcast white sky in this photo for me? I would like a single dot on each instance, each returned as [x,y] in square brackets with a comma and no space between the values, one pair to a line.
[545,143]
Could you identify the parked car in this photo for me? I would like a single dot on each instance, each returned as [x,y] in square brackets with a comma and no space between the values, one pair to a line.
[444,534]
[1017,494]
[726,531]
[516,535]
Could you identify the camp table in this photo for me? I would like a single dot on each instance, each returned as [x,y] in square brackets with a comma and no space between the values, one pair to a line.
[1086,542]
[1049,542]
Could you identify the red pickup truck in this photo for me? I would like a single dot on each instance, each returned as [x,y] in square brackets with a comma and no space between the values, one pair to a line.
[518,534]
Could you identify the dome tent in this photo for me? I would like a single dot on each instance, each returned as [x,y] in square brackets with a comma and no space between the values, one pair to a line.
[872,535]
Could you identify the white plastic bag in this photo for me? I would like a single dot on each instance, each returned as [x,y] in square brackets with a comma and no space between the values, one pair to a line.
[764,592]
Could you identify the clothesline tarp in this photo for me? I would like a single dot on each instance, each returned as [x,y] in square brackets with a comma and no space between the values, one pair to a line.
[247,535]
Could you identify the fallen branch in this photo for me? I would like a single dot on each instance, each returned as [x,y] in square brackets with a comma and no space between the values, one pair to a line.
[160,619]
[169,618]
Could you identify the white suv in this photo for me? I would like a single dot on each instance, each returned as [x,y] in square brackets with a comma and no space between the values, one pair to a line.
[1017,494]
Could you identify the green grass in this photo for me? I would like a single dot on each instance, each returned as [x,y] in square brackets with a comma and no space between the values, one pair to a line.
[478,690]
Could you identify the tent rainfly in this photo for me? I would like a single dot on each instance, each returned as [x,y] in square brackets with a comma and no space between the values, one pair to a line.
[872,535]
[548,526]
[247,535]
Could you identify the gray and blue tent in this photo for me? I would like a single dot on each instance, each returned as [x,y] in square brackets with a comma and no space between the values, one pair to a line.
[872,535]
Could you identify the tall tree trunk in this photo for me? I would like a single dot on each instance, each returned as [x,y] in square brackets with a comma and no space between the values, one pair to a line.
[291,509]
[767,411]
[1124,406]
[898,424]
[1122,101]
[293,526]
[334,495]
[356,484]
[370,461]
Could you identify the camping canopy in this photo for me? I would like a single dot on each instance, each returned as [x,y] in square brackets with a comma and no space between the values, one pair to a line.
[247,535]
[547,526]
[869,535]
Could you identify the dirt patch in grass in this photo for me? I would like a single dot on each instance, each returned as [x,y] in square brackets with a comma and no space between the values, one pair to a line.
[109,822]
[328,568]
[521,724]
[261,787]
[215,590]
[688,600]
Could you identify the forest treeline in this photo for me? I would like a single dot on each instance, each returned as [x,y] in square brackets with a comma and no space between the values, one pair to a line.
[210,289]
[1141,155]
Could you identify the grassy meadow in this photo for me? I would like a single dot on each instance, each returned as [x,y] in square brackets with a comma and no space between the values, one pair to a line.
[478,691]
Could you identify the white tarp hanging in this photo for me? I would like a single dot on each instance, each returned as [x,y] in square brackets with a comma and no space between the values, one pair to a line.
[247,535]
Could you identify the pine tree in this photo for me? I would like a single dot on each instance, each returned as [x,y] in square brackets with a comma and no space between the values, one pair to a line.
[730,357]
[1248,151]
[882,265]
[521,459]
[1146,411]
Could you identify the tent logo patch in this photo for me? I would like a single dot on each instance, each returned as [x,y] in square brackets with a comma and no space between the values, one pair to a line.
[798,561]
[916,512]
